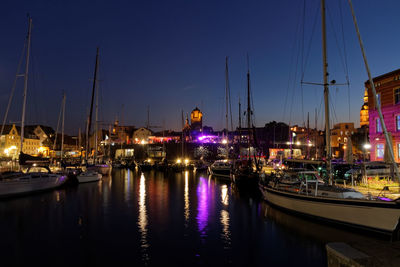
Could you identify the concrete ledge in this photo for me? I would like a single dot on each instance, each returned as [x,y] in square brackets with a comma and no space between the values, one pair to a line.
[341,254]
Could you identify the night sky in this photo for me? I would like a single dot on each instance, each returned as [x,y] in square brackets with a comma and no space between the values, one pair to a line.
[170,56]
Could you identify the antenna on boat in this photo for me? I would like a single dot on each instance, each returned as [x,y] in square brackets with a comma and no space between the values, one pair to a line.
[388,141]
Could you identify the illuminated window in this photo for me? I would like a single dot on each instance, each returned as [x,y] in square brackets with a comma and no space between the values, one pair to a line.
[378,96]
[398,122]
[378,126]
[380,150]
[397,95]
[398,151]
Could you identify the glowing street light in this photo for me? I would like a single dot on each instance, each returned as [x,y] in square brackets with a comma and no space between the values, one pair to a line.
[367,146]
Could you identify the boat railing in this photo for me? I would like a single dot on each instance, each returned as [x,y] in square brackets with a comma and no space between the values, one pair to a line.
[305,182]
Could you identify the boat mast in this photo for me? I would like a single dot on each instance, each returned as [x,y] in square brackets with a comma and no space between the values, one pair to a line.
[109,141]
[62,127]
[96,126]
[227,107]
[308,135]
[248,107]
[25,82]
[91,105]
[378,104]
[240,124]
[183,139]
[326,95]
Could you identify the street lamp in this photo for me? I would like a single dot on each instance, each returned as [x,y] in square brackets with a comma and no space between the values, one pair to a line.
[367,147]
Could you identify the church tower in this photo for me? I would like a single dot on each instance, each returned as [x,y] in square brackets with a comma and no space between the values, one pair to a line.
[196,120]
[364,117]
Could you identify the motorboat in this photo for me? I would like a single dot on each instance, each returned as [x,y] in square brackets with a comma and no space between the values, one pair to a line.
[89,176]
[221,168]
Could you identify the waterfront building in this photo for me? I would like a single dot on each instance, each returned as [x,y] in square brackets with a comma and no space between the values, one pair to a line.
[10,142]
[388,93]
[141,135]
[310,141]
[46,135]
[340,133]
[121,134]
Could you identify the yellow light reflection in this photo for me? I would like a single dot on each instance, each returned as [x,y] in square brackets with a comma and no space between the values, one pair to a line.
[226,234]
[224,195]
[187,203]
[142,220]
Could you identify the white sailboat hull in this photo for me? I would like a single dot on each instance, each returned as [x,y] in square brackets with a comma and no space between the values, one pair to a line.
[29,184]
[89,177]
[377,215]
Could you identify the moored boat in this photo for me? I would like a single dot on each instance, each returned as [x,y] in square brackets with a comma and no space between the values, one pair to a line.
[19,183]
[310,196]
[88,176]
[221,169]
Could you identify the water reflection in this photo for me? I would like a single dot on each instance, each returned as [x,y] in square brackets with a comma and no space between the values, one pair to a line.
[142,219]
[186,196]
[224,218]
[202,206]
[127,187]
[224,195]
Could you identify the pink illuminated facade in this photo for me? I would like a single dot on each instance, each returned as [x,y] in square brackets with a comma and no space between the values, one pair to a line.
[388,92]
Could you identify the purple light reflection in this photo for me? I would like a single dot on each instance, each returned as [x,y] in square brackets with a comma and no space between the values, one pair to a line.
[202,207]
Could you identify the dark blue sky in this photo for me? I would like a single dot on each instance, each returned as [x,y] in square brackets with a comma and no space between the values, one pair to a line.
[170,55]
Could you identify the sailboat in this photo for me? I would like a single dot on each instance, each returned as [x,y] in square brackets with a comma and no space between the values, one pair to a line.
[305,193]
[222,168]
[103,169]
[245,172]
[19,183]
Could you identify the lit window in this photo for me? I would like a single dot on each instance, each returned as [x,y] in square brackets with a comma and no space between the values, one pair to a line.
[378,126]
[398,122]
[345,139]
[398,151]
[378,96]
[397,95]
[380,150]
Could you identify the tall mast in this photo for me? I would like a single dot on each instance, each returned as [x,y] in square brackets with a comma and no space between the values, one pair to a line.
[316,136]
[96,125]
[91,104]
[308,135]
[183,140]
[248,106]
[326,94]
[148,117]
[226,96]
[240,122]
[25,82]
[109,141]
[79,141]
[388,141]
[62,126]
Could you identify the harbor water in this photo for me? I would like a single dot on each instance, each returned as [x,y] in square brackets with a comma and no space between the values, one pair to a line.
[153,219]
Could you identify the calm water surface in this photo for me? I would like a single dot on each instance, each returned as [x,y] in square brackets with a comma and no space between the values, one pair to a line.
[154,219]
